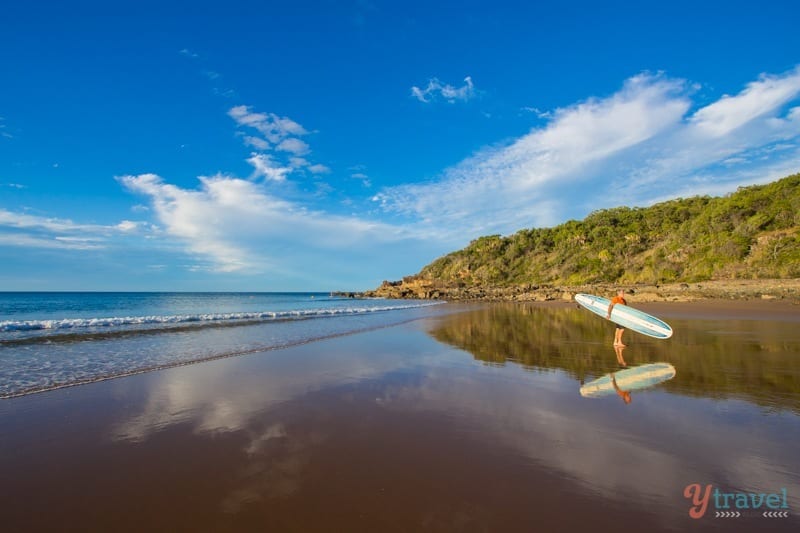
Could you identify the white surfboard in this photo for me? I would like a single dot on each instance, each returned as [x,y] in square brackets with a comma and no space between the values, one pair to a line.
[625,316]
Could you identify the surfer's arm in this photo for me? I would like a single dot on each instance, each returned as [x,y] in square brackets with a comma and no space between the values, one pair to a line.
[614,301]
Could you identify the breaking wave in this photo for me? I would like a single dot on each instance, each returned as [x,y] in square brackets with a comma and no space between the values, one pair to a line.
[97,323]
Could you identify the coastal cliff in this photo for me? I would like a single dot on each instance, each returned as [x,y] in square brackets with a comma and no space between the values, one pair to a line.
[743,245]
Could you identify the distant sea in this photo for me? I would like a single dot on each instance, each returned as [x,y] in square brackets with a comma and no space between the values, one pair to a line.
[55,339]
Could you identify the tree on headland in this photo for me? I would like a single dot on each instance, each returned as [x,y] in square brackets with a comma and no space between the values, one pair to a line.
[753,233]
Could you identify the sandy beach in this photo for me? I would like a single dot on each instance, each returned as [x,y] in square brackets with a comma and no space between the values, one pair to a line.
[468,421]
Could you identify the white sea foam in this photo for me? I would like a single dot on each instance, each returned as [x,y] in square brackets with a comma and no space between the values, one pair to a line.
[81,323]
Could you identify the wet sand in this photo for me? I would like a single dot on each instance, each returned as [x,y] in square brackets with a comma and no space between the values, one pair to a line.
[467,422]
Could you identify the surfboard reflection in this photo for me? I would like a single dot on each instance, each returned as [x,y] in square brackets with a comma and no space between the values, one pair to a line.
[627,380]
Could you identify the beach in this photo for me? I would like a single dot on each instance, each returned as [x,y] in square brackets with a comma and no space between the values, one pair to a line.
[460,417]
[396,267]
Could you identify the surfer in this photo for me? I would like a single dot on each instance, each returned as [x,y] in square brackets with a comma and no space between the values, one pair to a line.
[624,394]
[618,299]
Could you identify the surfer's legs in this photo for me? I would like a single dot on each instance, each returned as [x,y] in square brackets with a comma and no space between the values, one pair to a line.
[618,336]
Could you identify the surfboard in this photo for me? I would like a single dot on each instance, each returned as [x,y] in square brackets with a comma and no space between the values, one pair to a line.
[636,378]
[625,316]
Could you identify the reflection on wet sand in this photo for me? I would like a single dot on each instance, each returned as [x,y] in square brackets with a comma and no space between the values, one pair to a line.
[220,397]
[732,358]
[619,349]
[697,431]
[623,382]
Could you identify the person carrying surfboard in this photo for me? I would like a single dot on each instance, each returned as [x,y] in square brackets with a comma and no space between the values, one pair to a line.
[618,299]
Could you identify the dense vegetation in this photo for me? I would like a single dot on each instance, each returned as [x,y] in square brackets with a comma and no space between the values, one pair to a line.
[752,233]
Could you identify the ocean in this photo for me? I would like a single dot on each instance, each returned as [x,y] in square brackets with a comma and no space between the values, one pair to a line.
[59,339]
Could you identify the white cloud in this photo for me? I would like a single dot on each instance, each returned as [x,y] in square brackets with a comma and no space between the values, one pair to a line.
[738,140]
[630,148]
[190,215]
[319,169]
[757,99]
[280,136]
[501,189]
[294,146]
[239,226]
[256,142]
[272,126]
[127,226]
[363,178]
[225,93]
[538,112]
[88,242]
[264,166]
[436,89]
[55,225]
[24,230]
[57,243]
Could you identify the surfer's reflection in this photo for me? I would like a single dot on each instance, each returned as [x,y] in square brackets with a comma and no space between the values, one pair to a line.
[618,349]
[623,382]
[624,394]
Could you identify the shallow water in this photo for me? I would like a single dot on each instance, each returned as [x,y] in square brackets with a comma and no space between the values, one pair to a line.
[468,421]
[53,340]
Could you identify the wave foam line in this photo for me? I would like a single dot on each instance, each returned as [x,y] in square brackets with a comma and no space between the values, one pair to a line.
[78,323]
[6,395]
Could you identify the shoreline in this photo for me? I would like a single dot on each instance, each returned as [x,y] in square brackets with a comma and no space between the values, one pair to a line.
[740,289]
[706,309]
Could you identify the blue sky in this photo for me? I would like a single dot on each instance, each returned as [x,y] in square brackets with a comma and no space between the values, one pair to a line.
[331,145]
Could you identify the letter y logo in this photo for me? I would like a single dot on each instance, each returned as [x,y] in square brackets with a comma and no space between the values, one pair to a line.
[699,502]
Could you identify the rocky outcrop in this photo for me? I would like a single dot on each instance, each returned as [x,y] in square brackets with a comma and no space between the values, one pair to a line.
[419,288]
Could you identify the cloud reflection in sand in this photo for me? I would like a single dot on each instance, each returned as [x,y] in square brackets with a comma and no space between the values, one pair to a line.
[643,454]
